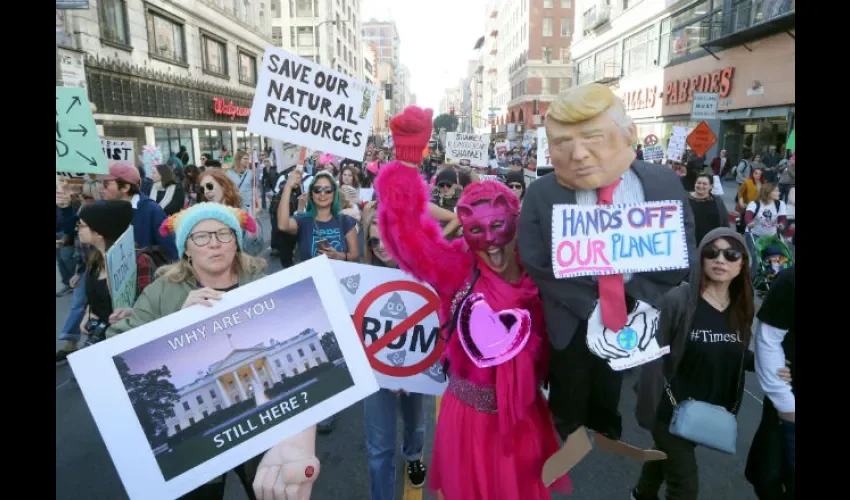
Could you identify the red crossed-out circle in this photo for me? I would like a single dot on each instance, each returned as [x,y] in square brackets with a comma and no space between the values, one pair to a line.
[650,140]
[432,305]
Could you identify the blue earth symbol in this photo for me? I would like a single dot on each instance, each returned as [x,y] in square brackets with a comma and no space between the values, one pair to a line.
[627,338]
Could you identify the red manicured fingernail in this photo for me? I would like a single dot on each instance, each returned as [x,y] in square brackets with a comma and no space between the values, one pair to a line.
[309,471]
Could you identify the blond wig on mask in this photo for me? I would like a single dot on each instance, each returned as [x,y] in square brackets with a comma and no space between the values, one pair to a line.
[584,102]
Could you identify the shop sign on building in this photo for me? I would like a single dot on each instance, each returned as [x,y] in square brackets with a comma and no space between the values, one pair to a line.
[221,107]
[73,68]
[682,91]
[643,98]
[704,106]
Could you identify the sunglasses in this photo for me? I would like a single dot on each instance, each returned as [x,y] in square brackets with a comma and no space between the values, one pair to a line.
[730,254]
[375,242]
[322,189]
[515,185]
[444,185]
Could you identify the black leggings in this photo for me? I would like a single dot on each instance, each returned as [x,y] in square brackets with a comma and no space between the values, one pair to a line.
[679,470]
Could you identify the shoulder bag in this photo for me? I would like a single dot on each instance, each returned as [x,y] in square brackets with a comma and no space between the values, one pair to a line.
[706,424]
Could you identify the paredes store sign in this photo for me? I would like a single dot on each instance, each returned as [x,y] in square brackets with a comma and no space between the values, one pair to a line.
[682,91]
[229,109]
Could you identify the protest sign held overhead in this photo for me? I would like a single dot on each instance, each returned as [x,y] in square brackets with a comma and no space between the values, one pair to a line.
[121,270]
[77,143]
[544,159]
[618,239]
[471,147]
[185,398]
[115,150]
[396,317]
[305,103]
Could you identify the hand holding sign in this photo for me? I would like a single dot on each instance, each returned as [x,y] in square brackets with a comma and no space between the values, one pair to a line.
[202,296]
[288,470]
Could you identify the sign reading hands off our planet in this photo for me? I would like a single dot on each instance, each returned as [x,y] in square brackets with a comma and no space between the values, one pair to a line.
[396,318]
[590,240]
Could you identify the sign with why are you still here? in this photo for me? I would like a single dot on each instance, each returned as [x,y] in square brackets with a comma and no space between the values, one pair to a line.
[305,103]
[593,240]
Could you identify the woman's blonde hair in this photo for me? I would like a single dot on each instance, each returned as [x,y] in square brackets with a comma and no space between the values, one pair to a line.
[181,271]
[765,190]
[90,190]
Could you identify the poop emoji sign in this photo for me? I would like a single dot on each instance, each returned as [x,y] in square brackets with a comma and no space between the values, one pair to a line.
[396,318]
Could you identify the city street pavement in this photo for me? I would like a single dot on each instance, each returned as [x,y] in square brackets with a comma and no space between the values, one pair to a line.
[85,471]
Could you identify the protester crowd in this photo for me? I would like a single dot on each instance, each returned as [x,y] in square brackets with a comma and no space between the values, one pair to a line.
[477,242]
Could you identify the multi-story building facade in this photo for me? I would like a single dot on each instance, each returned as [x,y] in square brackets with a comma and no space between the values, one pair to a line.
[324,31]
[168,73]
[656,53]
[526,60]
[383,35]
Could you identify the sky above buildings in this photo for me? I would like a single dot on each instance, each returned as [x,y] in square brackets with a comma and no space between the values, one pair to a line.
[436,38]
[296,308]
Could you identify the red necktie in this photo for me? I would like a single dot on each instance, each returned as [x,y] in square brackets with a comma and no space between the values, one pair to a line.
[612,294]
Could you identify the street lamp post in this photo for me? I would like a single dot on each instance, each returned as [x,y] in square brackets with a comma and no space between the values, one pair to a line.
[316,31]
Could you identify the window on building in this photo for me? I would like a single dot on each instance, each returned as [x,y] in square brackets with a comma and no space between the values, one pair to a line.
[605,63]
[640,51]
[338,47]
[213,394]
[318,361]
[547,55]
[664,43]
[214,51]
[277,363]
[690,28]
[566,28]
[247,68]
[548,4]
[585,70]
[547,26]
[277,35]
[113,21]
[301,351]
[312,347]
[217,407]
[176,428]
[289,357]
[191,420]
[305,36]
[303,8]
[199,399]
[205,413]
[166,37]
[295,371]
[186,405]
[565,55]
[306,365]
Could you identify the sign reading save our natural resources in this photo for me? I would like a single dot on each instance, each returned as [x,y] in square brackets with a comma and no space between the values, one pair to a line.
[305,103]
[470,147]
[617,239]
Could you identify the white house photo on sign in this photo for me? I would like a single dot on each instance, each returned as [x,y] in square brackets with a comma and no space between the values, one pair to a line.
[237,377]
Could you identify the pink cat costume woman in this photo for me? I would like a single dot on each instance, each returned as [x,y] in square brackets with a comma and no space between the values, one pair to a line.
[495,430]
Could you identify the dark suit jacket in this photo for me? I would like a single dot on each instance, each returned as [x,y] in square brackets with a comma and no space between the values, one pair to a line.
[568,302]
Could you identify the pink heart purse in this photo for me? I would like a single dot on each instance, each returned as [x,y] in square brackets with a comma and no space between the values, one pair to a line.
[490,337]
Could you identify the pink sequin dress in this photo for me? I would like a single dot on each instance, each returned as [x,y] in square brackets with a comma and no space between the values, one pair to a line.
[494,431]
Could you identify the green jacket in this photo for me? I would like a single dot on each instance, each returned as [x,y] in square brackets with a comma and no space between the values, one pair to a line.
[161,298]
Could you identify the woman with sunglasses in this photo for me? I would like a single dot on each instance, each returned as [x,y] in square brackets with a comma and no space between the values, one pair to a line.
[322,229]
[209,238]
[707,324]
[515,180]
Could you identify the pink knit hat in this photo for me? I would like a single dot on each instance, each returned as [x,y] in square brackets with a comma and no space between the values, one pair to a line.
[325,159]
[411,132]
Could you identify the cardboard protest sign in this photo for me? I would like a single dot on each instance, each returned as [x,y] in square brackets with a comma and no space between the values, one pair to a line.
[121,270]
[151,157]
[592,240]
[471,147]
[487,177]
[183,399]
[77,144]
[116,150]
[652,153]
[311,105]
[501,152]
[366,194]
[396,317]
[544,159]
[676,144]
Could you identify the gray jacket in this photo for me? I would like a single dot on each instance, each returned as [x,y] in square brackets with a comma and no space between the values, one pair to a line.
[568,302]
[676,317]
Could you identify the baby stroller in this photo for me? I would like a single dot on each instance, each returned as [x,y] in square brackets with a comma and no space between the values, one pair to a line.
[770,255]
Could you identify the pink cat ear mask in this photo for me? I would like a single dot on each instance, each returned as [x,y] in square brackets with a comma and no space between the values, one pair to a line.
[490,337]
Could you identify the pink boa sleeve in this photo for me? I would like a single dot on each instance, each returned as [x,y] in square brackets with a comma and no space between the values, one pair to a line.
[411,236]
